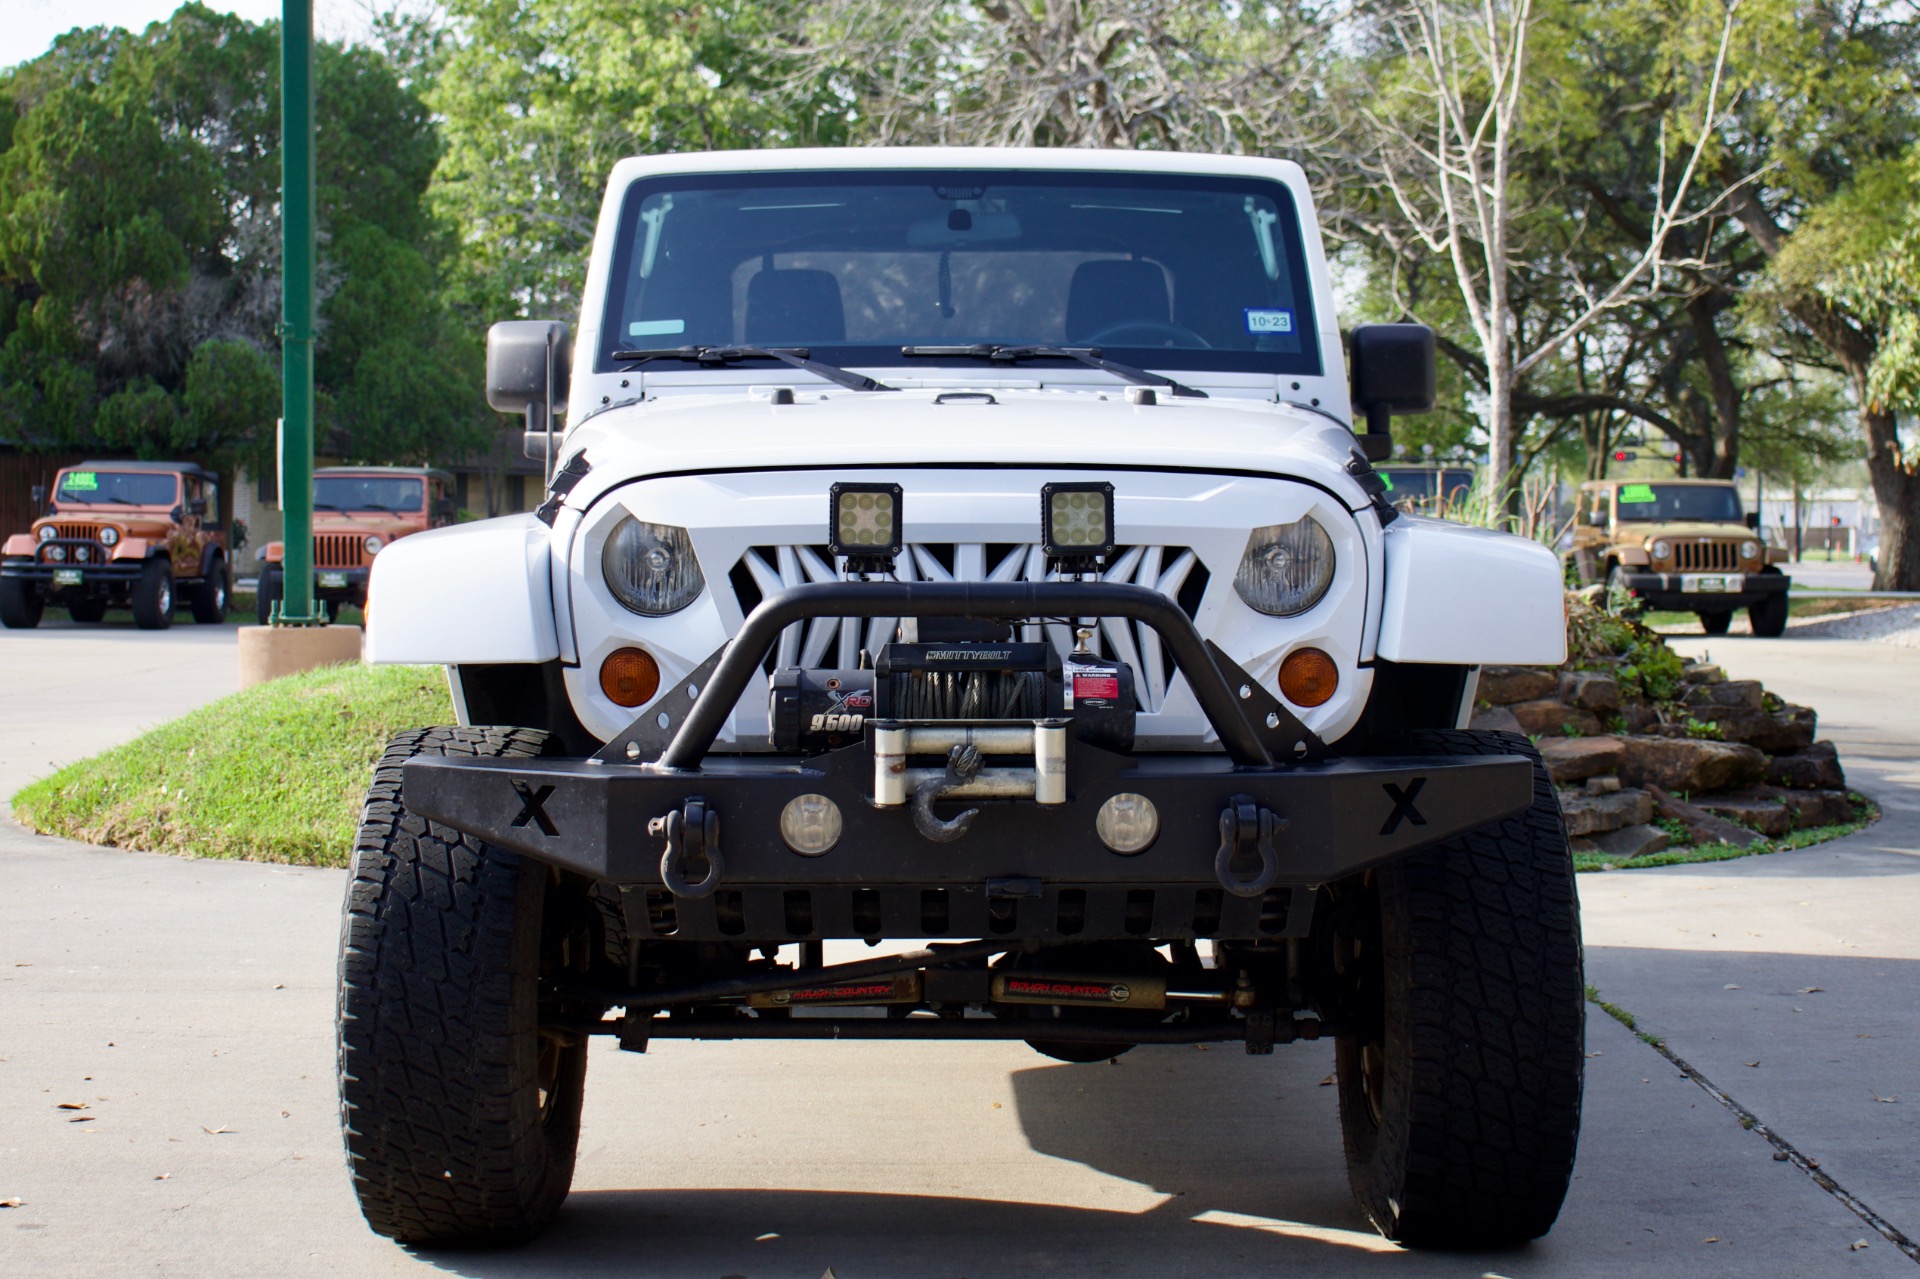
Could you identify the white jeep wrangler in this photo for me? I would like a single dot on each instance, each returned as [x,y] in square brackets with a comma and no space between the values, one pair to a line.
[978,546]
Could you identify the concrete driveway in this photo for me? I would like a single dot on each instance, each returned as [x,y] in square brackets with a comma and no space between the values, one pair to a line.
[188,1005]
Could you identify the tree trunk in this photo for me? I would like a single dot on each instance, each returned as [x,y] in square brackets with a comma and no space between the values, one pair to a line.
[1721,452]
[1896,489]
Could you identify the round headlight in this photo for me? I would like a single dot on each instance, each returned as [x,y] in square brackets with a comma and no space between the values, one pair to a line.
[374,544]
[48,532]
[1127,823]
[1286,569]
[810,824]
[109,536]
[1749,550]
[650,568]
[1660,549]
[56,553]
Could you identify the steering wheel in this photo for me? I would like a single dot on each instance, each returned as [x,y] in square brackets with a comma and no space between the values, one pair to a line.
[1147,333]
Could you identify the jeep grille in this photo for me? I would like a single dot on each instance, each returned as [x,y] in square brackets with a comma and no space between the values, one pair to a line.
[338,550]
[1691,557]
[833,643]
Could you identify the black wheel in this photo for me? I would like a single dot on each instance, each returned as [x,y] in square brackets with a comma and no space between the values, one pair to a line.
[461,1117]
[153,596]
[1716,623]
[87,610]
[272,584]
[20,608]
[1460,1097]
[1769,616]
[210,596]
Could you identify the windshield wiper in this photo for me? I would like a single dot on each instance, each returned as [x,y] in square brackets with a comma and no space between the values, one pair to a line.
[1087,355]
[325,506]
[799,357]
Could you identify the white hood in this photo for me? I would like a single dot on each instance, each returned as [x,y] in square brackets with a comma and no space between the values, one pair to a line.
[744,430]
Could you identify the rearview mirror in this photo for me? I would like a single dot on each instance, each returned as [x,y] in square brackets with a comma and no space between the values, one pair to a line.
[528,363]
[1392,367]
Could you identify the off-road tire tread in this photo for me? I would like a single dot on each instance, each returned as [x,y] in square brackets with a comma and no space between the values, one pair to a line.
[438,960]
[271,586]
[210,607]
[147,613]
[1484,971]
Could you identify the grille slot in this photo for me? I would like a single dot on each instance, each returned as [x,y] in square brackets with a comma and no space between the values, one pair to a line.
[85,532]
[338,550]
[836,643]
[1691,557]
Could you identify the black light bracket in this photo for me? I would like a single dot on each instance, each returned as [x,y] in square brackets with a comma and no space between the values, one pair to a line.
[864,523]
[1064,533]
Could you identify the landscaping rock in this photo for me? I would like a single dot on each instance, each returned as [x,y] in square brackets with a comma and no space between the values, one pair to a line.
[1812,808]
[1705,673]
[1639,717]
[1496,720]
[1690,765]
[1815,768]
[1603,785]
[1573,759]
[1703,827]
[1550,718]
[1746,694]
[1756,812]
[1505,685]
[1597,814]
[1591,691]
[1778,732]
[1630,842]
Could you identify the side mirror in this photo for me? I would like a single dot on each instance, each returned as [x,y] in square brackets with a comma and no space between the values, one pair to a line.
[39,497]
[1753,520]
[528,363]
[1392,366]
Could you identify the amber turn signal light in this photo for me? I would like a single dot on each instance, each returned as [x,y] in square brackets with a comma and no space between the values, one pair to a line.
[629,677]
[1308,677]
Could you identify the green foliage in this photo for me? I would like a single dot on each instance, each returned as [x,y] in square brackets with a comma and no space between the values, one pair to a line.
[1703,730]
[221,782]
[139,251]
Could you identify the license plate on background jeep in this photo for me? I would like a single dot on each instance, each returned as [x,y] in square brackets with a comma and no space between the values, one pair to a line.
[333,579]
[68,577]
[1706,582]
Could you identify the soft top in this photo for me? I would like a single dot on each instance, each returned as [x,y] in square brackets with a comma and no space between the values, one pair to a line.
[122,464]
[384,470]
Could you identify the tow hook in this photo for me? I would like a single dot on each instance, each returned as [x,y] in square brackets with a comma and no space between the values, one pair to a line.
[1247,830]
[963,765]
[692,833]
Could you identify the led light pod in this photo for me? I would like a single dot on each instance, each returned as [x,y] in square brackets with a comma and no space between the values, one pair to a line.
[865,525]
[1076,521]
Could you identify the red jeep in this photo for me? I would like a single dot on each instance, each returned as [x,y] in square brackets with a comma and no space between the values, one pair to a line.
[356,511]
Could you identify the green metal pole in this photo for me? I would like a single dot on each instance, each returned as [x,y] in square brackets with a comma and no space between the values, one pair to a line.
[296,313]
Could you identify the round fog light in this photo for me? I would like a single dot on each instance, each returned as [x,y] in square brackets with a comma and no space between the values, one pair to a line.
[1308,677]
[629,677]
[1127,823]
[810,824]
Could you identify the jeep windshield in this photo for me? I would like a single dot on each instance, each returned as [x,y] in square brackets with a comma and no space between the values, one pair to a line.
[118,488]
[1695,503]
[1159,270]
[367,493]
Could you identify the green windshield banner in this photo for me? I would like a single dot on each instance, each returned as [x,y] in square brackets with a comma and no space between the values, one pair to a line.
[1636,494]
[80,480]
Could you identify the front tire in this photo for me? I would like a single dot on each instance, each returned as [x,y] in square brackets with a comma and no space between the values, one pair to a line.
[153,596]
[1769,616]
[267,593]
[1460,1100]
[1716,623]
[20,608]
[211,595]
[461,1118]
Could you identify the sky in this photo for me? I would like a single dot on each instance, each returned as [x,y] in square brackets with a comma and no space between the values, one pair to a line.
[28,27]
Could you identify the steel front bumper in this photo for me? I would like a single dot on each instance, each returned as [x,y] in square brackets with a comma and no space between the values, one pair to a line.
[1237,829]
[92,573]
[1683,592]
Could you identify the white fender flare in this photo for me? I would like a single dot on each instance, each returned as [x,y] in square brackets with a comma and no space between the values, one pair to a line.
[477,592]
[1470,596]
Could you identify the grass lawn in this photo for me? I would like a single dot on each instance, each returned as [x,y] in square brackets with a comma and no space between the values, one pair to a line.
[275,773]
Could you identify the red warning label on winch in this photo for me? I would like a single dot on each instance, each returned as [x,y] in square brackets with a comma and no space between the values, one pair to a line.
[1094,688]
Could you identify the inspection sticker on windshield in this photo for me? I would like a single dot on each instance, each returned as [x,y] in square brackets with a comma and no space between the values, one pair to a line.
[1636,494]
[77,480]
[1263,321]
[655,328]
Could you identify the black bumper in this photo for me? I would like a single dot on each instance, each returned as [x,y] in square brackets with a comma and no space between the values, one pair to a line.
[1668,591]
[1024,868]
[341,583]
[39,573]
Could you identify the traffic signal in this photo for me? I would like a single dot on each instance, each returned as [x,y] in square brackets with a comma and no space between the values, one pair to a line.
[1624,455]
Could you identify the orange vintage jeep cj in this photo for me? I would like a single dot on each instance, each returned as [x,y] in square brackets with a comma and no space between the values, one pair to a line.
[121,534]
[356,511]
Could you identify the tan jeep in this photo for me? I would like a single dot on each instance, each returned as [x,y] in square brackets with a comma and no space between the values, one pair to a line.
[357,510]
[1680,545]
[122,535]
